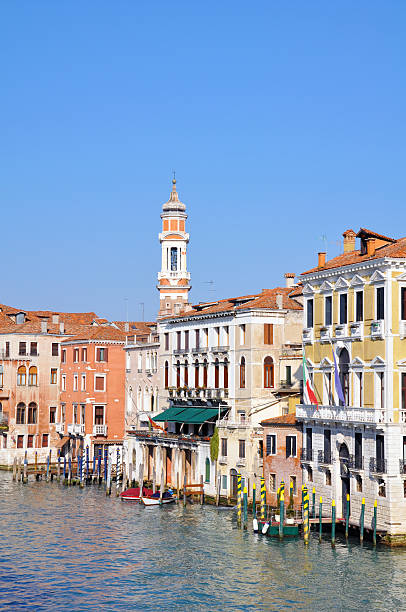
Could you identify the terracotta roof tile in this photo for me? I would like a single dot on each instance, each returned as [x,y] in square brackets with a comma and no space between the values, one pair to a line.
[98,333]
[286,419]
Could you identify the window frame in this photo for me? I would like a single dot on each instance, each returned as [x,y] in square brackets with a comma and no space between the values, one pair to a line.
[274,445]
[291,437]
[104,378]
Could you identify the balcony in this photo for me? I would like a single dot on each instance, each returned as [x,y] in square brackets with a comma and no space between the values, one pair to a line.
[325,333]
[4,355]
[324,458]
[181,351]
[307,335]
[377,466]
[356,330]
[100,430]
[220,349]
[60,428]
[377,330]
[341,414]
[306,455]
[356,463]
[341,330]
[76,429]
[231,424]
[223,460]
[241,462]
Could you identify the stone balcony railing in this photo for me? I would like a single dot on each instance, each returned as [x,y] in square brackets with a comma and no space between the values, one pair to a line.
[307,335]
[341,330]
[76,429]
[377,329]
[356,330]
[100,430]
[60,428]
[220,349]
[231,424]
[198,393]
[325,333]
[341,414]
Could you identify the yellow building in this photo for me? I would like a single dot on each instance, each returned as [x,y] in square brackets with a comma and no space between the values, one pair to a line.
[355,310]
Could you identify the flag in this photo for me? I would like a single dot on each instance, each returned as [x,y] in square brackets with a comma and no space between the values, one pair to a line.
[154,425]
[308,391]
[337,379]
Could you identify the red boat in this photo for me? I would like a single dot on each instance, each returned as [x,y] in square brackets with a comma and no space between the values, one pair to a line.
[134,494]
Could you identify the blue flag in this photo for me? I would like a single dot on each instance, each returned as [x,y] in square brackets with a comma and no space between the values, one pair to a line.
[339,387]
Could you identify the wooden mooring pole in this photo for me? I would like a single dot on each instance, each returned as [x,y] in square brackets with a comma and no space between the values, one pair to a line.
[15,468]
[58,469]
[161,489]
[184,490]
[361,521]
[202,490]
[25,473]
[19,470]
[333,523]
[320,518]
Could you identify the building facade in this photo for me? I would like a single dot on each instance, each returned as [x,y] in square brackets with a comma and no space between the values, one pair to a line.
[355,439]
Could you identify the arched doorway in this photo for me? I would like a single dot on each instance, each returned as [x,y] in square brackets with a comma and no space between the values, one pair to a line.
[233,484]
[344,456]
[344,364]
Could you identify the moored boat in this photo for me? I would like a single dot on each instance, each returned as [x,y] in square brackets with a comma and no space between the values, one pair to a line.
[134,494]
[154,500]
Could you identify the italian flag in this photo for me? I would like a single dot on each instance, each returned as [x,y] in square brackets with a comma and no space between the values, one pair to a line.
[308,391]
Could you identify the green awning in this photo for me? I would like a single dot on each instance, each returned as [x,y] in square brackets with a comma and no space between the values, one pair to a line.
[189,415]
[169,414]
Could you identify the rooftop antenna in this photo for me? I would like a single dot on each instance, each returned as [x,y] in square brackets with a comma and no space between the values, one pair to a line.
[126,308]
[211,283]
[142,304]
[323,238]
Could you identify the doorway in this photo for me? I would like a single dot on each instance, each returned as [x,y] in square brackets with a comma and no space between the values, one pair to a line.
[233,484]
[345,476]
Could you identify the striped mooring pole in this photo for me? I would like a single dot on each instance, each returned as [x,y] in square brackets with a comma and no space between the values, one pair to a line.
[361,521]
[64,467]
[314,502]
[87,462]
[106,461]
[281,511]
[305,516]
[117,473]
[254,503]
[263,498]
[291,494]
[374,533]
[47,477]
[320,518]
[69,469]
[245,507]
[347,516]
[333,523]
[81,469]
[59,465]
[239,498]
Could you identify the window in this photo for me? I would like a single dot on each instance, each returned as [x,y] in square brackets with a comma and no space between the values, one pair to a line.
[186,374]
[54,376]
[33,376]
[309,313]
[62,413]
[328,310]
[52,414]
[30,441]
[99,383]
[166,342]
[359,388]
[1,376]
[34,349]
[358,450]
[99,415]
[178,341]
[63,382]
[226,335]
[207,471]
[20,441]
[44,440]
[241,416]
[20,415]
[268,333]
[268,373]
[75,413]
[359,306]
[187,340]
[225,371]
[196,373]
[63,356]
[84,354]
[217,336]
[206,336]
[327,389]
[174,259]
[197,338]
[21,376]
[343,308]
[288,375]
[358,483]
[75,382]
[7,349]
[178,374]
[381,390]
[205,372]
[310,474]
[55,349]
[381,488]
[166,369]
[22,348]
[327,445]
[403,303]
[242,373]
[271,444]
[83,414]
[242,334]
[224,482]
[293,485]
[272,482]
[328,478]
[75,355]
[101,354]
[224,447]
[290,446]
[241,449]
[216,374]
[83,382]
[32,413]
[380,303]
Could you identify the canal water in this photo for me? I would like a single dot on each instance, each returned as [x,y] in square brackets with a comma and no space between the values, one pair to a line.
[73,549]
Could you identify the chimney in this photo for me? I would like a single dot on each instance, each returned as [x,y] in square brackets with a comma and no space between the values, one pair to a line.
[371,246]
[349,241]
[55,319]
[290,279]
[322,260]
[279,301]
[44,327]
[62,327]
[126,326]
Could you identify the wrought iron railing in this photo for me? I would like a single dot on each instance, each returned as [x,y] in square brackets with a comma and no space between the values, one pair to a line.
[377,466]
[324,457]
[356,462]
[306,454]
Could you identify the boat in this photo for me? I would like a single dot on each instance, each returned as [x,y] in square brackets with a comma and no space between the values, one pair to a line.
[154,500]
[133,494]
[271,529]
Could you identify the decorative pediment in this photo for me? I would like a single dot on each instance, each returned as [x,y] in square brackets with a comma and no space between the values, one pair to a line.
[357,280]
[326,363]
[357,363]
[342,283]
[377,362]
[310,364]
[401,278]
[326,287]
[308,289]
[377,277]
[402,363]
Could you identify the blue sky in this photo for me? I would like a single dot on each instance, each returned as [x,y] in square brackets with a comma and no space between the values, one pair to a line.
[284,121]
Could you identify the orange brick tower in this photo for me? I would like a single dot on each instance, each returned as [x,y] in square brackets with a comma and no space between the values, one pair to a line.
[173,279]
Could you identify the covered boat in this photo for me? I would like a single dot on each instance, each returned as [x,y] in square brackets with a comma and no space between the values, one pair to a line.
[154,500]
[133,494]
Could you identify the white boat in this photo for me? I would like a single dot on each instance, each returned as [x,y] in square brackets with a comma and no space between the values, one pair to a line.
[155,501]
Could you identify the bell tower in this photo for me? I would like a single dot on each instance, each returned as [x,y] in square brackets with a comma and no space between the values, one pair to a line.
[173,279]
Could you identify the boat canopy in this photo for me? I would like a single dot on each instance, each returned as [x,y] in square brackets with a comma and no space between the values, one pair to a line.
[190,415]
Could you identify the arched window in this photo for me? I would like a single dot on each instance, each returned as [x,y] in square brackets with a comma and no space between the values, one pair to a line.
[216,374]
[242,373]
[205,368]
[21,376]
[344,363]
[196,373]
[207,479]
[225,374]
[152,400]
[166,374]
[186,377]
[32,413]
[174,258]
[20,416]
[33,375]
[268,373]
[178,374]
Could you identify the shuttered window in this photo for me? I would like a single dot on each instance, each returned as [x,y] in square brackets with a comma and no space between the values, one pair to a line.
[99,383]
[290,446]
[268,333]
[403,303]
[271,444]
